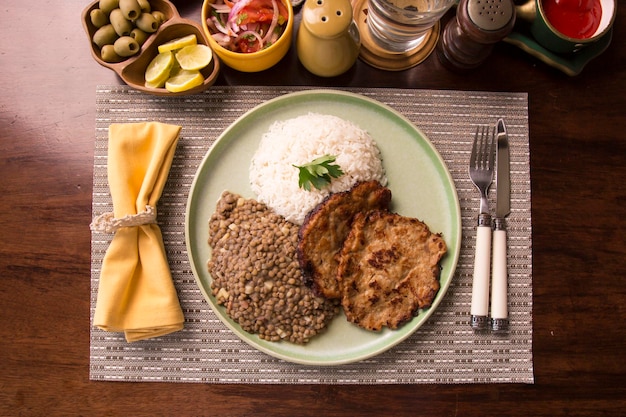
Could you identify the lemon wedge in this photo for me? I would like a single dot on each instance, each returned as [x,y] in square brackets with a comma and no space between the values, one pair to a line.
[158,69]
[184,80]
[194,57]
[178,43]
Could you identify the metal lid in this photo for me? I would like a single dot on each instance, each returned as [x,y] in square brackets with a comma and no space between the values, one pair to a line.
[490,14]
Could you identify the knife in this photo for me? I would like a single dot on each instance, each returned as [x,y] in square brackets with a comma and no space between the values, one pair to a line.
[499,283]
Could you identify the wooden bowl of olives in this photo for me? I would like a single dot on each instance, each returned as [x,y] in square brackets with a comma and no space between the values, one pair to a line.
[125,35]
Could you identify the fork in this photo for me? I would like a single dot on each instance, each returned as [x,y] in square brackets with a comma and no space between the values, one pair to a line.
[481,167]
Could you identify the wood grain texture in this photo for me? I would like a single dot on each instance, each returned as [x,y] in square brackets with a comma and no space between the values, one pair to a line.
[578,173]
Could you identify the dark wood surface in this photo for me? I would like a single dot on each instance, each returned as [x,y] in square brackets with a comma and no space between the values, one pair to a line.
[578,172]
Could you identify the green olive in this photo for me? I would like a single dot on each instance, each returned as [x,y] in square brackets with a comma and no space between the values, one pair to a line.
[108,54]
[122,25]
[126,46]
[130,9]
[139,35]
[107,5]
[145,6]
[159,16]
[147,23]
[98,18]
[106,35]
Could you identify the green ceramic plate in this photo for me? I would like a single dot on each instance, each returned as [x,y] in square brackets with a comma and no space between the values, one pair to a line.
[418,178]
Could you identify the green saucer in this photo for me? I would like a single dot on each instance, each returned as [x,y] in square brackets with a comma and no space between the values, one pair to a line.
[570,64]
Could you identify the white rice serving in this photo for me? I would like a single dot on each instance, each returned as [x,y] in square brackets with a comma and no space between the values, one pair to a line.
[297,141]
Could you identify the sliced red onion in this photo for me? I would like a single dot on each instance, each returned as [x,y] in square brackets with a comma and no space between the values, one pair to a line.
[221,8]
[233,27]
[239,4]
[223,40]
[219,26]
[273,24]
[273,39]
[250,32]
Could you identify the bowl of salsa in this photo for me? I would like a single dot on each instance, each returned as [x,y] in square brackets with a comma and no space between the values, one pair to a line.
[566,26]
[248,35]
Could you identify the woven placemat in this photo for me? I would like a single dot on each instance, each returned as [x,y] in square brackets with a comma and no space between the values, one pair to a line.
[444,350]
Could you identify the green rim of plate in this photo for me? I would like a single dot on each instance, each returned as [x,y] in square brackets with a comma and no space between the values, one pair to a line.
[231,153]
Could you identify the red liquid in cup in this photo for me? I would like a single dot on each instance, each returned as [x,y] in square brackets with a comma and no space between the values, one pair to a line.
[578,19]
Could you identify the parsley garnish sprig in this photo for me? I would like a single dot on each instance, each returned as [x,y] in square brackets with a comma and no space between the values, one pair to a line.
[318,172]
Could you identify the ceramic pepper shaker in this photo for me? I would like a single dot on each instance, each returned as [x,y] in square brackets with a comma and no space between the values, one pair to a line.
[468,39]
[328,40]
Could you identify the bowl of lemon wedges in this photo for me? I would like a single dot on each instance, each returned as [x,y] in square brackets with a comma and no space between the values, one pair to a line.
[150,46]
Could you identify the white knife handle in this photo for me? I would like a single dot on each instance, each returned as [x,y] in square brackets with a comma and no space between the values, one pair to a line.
[499,284]
[480,285]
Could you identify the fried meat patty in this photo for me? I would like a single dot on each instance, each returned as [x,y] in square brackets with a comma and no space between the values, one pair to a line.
[325,228]
[388,269]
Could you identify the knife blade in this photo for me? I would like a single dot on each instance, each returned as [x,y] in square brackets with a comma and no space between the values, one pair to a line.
[499,284]
[503,175]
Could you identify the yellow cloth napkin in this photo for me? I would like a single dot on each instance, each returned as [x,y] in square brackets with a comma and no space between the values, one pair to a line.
[136,294]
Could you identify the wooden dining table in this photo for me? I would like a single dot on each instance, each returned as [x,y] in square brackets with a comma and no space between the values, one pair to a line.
[577,142]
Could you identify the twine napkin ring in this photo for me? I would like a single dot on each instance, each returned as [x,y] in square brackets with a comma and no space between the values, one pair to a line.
[106,223]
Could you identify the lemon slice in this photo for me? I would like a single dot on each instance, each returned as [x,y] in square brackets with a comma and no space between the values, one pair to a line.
[178,43]
[175,69]
[184,80]
[155,85]
[158,69]
[194,57]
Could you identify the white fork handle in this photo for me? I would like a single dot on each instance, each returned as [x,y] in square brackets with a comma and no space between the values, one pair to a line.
[480,285]
[499,283]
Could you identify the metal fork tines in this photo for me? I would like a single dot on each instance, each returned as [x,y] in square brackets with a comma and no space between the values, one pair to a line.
[481,165]
[481,168]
